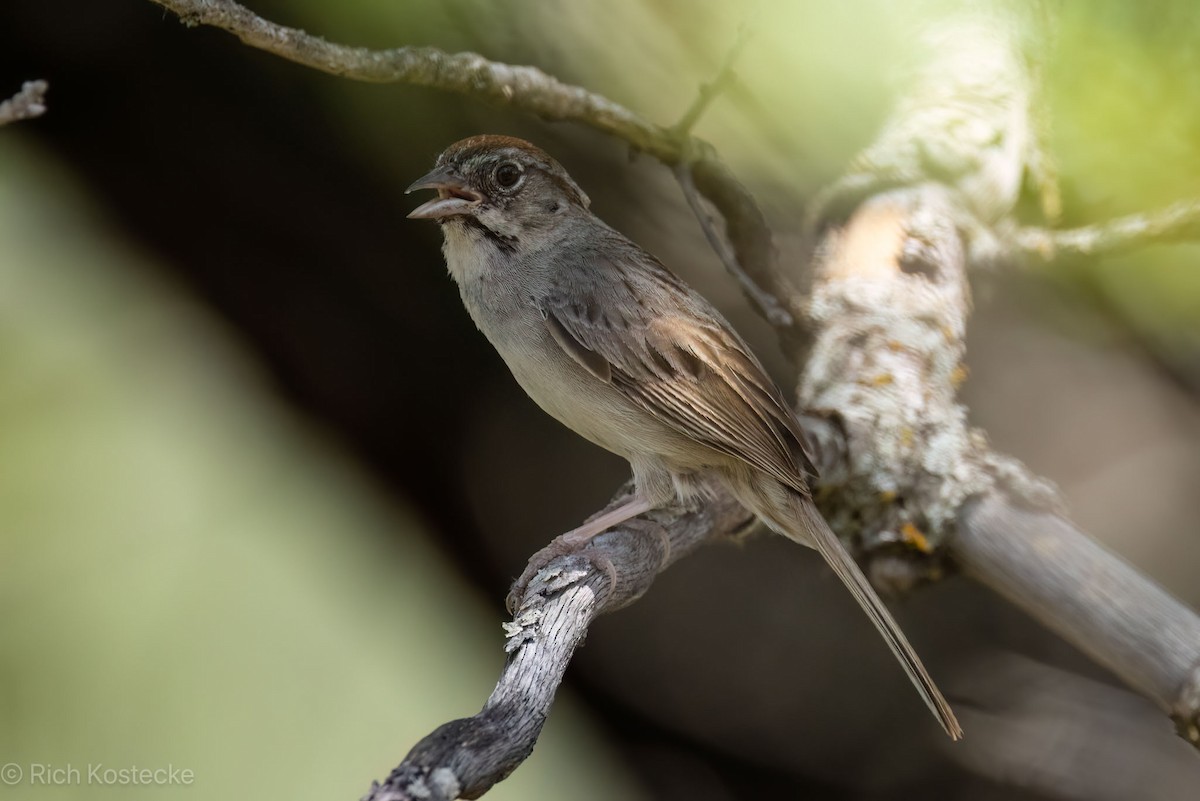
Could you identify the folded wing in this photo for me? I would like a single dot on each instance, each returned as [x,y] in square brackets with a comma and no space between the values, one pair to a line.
[635,325]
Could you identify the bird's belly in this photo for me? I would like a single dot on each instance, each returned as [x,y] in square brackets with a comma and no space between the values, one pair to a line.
[588,406]
[570,394]
[563,388]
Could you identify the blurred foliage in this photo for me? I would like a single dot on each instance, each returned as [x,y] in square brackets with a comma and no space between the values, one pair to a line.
[1123,96]
[189,576]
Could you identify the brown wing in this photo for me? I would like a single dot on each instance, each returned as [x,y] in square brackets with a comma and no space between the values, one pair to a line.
[635,325]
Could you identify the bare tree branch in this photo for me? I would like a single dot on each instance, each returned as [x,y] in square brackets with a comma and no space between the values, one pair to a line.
[768,305]
[754,246]
[1045,565]
[26,104]
[888,316]
[1178,222]
[709,91]
[464,758]
[526,88]
[531,90]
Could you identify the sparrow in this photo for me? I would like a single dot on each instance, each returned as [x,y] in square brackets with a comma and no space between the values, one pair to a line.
[615,346]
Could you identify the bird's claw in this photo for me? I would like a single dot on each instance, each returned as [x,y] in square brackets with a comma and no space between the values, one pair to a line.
[559,546]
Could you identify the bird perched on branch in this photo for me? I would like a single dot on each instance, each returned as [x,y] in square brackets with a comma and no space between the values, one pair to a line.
[612,344]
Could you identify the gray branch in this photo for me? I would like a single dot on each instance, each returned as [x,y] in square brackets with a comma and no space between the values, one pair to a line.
[766,303]
[749,236]
[889,312]
[26,104]
[1177,222]
[1045,565]
[464,758]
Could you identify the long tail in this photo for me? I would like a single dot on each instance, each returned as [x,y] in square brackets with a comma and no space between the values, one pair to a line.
[817,532]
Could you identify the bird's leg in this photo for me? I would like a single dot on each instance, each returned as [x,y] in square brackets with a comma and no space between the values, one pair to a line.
[574,541]
[632,507]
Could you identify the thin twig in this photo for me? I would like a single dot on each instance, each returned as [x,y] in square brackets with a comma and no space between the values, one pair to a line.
[709,91]
[754,251]
[1177,222]
[26,104]
[525,88]
[768,305]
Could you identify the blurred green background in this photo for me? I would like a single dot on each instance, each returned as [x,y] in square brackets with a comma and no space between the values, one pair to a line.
[192,576]
[263,487]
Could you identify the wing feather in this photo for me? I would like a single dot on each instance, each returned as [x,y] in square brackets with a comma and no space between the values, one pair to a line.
[637,326]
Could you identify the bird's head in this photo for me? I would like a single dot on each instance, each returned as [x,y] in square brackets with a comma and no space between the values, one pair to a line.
[503,185]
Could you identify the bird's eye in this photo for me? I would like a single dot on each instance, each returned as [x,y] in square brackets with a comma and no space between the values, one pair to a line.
[508,175]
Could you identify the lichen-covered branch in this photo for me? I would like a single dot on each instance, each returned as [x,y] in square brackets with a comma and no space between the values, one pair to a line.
[888,315]
[26,104]
[890,300]
[1178,222]
[528,89]
[464,758]
[889,310]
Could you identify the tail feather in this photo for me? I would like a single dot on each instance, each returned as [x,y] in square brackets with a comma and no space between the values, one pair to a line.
[818,534]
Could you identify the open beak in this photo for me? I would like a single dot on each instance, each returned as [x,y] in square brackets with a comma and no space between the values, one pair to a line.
[454,196]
